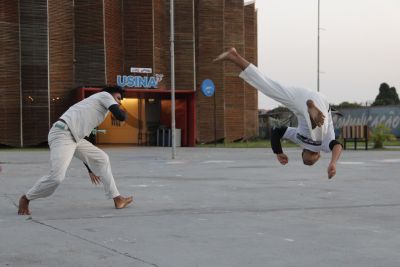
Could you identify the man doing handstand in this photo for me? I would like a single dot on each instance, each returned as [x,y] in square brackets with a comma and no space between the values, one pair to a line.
[315,130]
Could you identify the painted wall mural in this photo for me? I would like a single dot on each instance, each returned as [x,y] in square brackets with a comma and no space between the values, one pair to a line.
[371,116]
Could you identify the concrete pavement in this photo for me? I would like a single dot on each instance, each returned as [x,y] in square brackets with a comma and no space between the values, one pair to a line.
[209,207]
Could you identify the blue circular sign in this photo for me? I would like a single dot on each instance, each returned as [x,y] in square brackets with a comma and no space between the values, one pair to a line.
[208,87]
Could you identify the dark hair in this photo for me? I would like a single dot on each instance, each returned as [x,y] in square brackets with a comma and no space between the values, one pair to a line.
[114,89]
[305,161]
[307,150]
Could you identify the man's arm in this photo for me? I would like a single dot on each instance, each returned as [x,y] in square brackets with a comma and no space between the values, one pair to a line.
[118,113]
[336,148]
[276,136]
[87,167]
[93,177]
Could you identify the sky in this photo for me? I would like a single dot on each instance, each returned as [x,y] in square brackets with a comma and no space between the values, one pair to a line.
[359,46]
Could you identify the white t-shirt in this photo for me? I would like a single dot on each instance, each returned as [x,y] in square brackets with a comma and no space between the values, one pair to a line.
[297,136]
[295,99]
[87,114]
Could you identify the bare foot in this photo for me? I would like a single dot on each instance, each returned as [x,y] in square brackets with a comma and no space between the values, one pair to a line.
[316,116]
[23,208]
[121,202]
[228,55]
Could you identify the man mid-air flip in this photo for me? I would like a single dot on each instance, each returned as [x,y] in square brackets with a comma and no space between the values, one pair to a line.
[315,130]
[66,140]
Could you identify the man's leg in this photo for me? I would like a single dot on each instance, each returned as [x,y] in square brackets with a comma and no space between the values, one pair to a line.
[316,116]
[233,56]
[253,76]
[285,95]
[99,163]
[62,147]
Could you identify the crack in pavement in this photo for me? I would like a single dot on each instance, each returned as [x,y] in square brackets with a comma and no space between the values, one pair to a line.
[225,211]
[79,237]
[10,199]
[94,243]
[22,162]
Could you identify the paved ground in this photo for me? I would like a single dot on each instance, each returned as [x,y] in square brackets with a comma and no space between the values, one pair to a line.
[210,207]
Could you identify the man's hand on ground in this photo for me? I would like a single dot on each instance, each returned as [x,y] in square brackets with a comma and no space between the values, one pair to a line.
[95,179]
[331,170]
[282,158]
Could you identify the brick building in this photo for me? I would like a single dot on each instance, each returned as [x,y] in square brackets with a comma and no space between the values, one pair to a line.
[57,52]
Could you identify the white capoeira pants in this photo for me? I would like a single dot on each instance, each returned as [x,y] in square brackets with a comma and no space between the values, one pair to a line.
[294,98]
[288,96]
[62,148]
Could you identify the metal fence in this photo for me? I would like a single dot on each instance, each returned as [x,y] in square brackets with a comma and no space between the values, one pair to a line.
[275,119]
[371,116]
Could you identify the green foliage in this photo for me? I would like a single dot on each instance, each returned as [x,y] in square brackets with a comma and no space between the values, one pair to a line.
[387,96]
[279,109]
[264,143]
[346,104]
[381,134]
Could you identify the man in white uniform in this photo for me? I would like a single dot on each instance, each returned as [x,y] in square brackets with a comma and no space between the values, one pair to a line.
[66,139]
[315,130]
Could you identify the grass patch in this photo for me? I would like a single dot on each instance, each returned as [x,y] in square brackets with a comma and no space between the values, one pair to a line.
[267,144]
[261,143]
[361,144]
[392,143]
[23,149]
[43,146]
[248,144]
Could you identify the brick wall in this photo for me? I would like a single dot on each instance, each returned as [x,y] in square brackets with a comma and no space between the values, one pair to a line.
[220,25]
[138,34]
[184,44]
[114,40]
[251,94]
[61,36]
[234,86]
[9,74]
[89,43]
[161,50]
[34,70]
[69,44]
[209,43]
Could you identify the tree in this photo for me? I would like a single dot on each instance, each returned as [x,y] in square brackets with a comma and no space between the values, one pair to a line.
[387,96]
[346,104]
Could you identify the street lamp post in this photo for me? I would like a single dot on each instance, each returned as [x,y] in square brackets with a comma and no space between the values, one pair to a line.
[172,39]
